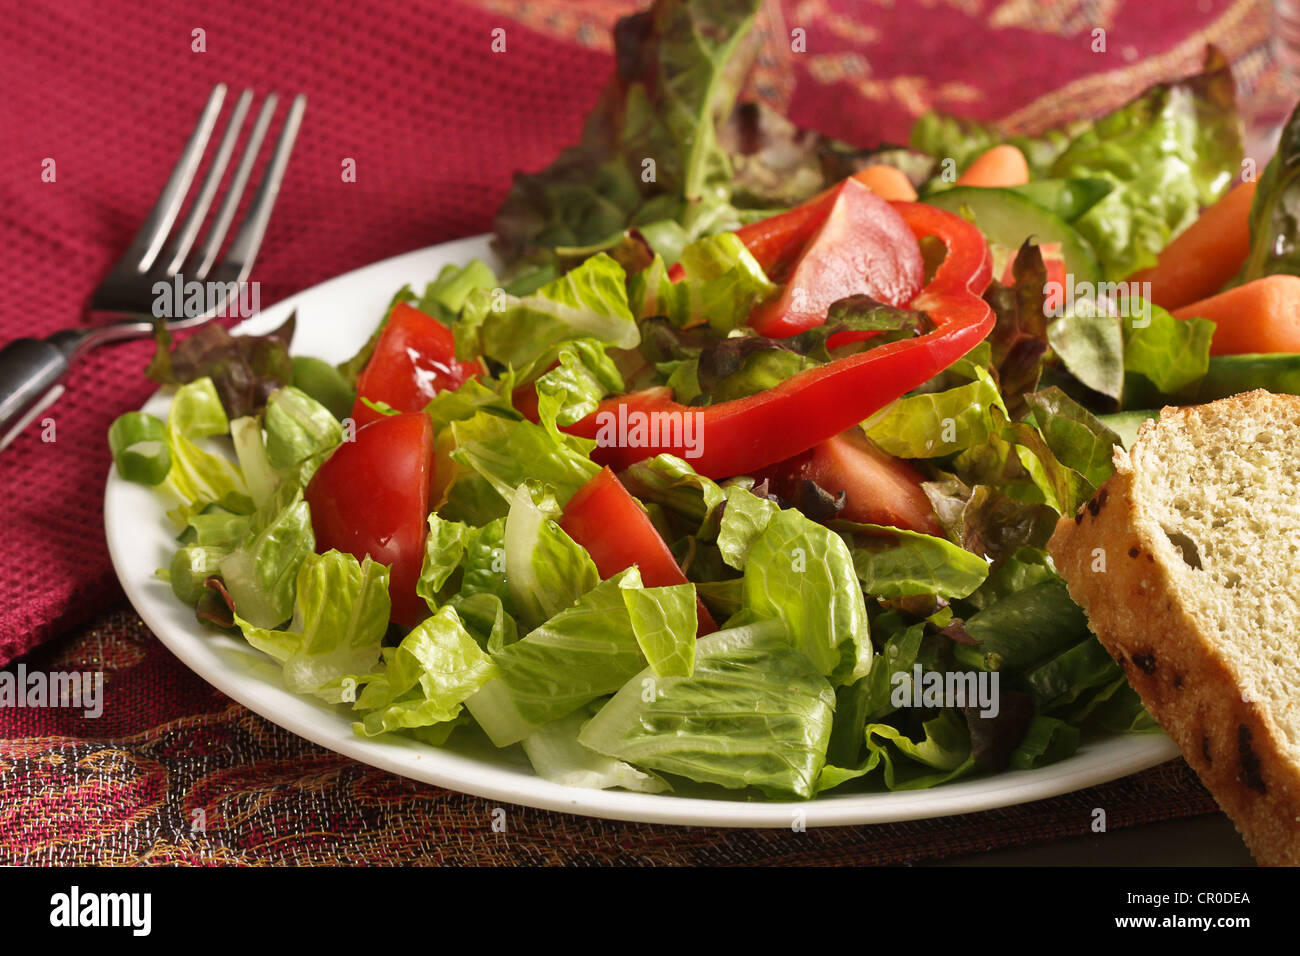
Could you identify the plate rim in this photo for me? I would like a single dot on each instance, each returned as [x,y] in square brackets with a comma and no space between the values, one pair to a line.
[1098,762]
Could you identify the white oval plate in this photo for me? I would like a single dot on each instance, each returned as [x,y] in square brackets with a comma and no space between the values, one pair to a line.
[334,319]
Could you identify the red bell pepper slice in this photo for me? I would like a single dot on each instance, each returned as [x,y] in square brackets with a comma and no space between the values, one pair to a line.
[414,360]
[739,437]
[605,519]
[777,240]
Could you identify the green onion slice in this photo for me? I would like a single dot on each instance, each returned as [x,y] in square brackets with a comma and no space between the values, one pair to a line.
[139,445]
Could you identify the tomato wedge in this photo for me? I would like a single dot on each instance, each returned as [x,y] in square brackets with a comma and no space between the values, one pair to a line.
[878,488]
[605,519]
[414,360]
[372,497]
[863,246]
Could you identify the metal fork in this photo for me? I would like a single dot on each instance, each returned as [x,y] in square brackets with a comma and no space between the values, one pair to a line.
[125,305]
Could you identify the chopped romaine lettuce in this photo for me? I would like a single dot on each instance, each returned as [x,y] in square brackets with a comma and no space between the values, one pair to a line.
[332,645]
[426,678]
[558,756]
[588,302]
[586,650]
[754,713]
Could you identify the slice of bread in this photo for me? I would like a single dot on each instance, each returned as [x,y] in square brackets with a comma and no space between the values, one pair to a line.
[1198,533]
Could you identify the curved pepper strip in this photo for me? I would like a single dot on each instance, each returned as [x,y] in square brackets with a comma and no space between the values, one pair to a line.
[775,241]
[739,437]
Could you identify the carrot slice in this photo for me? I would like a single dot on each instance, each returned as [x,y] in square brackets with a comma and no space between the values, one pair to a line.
[887,182]
[1205,255]
[1000,166]
[1260,316]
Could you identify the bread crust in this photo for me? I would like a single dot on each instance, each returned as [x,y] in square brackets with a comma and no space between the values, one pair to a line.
[1234,746]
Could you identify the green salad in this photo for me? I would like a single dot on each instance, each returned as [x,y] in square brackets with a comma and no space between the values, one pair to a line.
[735,472]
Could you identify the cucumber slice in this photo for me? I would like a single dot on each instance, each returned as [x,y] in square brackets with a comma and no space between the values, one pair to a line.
[1232,374]
[1067,198]
[1008,219]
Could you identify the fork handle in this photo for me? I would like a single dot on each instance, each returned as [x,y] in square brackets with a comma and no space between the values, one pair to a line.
[29,369]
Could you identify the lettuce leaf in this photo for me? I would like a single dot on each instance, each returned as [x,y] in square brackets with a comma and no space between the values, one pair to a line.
[1023,628]
[425,679]
[937,424]
[680,65]
[1046,741]
[484,565]
[261,571]
[894,563]
[1169,152]
[742,365]
[1172,354]
[556,755]
[941,755]
[1022,570]
[244,369]
[199,477]
[664,623]
[776,164]
[474,395]
[987,521]
[587,650]
[745,516]
[1019,338]
[216,527]
[1077,438]
[444,550]
[754,713]
[254,465]
[1016,460]
[1066,684]
[1147,358]
[1117,709]
[324,383]
[505,453]
[546,570]
[671,483]
[300,433]
[588,302]
[722,285]
[333,643]
[1091,347]
[487,617]
[572,390]
[801,574]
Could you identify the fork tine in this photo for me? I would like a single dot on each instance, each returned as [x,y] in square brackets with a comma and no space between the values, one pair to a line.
[217,233]
[207,192]
[244,249]
[148,242]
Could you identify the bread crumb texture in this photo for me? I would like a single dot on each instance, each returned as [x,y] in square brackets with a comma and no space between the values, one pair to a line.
[1216,493]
